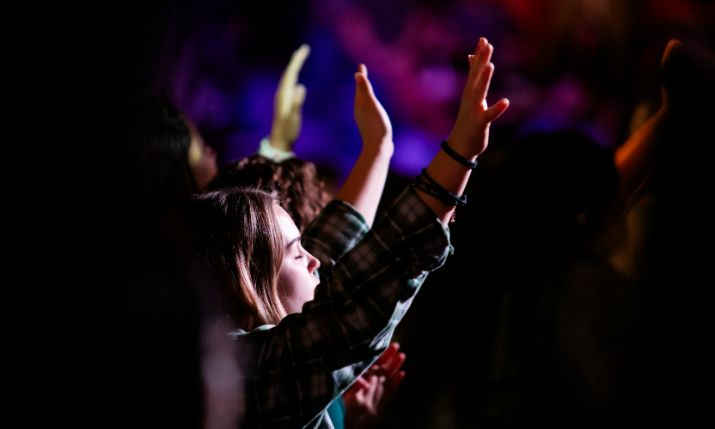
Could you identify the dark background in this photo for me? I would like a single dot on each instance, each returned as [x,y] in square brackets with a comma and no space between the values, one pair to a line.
[522,328]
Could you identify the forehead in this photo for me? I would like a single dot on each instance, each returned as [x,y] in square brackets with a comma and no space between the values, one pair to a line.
[288,229]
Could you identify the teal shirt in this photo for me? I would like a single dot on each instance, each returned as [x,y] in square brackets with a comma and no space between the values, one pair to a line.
[336,411]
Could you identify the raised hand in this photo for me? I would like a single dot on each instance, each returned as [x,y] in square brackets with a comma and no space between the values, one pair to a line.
[634,158]
[371,118]
[448,170]
[288,104]
[470,135]
[367,398]
[666,64]
[366,181]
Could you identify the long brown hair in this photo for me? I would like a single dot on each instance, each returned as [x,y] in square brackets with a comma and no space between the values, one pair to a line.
[236,232]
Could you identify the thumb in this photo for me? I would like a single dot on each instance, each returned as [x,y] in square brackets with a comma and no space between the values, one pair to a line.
[497,109]
[299,95]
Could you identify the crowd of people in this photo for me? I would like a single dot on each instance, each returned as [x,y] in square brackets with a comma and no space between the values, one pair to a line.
[252,293]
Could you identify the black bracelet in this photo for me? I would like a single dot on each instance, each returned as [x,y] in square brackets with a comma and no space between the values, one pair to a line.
[426,188]
[428,185]
[457,157]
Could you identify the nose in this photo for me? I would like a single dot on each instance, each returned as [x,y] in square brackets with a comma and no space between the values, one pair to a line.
[313,263]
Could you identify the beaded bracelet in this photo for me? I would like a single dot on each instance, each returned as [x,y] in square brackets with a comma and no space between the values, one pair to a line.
[428,185]
[457,157]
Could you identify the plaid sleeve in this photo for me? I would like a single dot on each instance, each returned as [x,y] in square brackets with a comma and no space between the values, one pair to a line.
[296,368]
[333,232]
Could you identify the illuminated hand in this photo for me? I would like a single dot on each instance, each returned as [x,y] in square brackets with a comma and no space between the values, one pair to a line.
[371,118]
[470,134]
[288,105]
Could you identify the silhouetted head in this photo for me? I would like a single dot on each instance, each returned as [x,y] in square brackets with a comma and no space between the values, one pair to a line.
[168,159]
[295,181]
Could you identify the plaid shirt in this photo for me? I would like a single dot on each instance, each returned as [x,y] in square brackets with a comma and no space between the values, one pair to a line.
[292,371]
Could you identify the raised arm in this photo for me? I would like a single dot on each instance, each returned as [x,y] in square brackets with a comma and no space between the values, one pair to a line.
[288,104]
[366,181]
[634,158]
[470,135]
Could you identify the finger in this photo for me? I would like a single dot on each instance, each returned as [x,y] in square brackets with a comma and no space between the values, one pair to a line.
[298,59]
[361,383]
[473,69]
[362,80]
[388,353]
[360,395]
[394,382]
[481,62]
[361,73]
[362,68]
[379,390]
[290,75]
[377,370]
[370,392]
[395,365]
[386,359]
[481,88]
[351,392]
[363,89]
[390,368]
[299,96]
[486,54]
[496,110]
[672,45]
[476,72]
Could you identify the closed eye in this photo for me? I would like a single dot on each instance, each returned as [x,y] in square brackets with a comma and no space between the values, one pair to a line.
[294,246]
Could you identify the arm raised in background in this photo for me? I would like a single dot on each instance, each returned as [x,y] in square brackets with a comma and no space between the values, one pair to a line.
[366,181]
[288,104]
[634,158]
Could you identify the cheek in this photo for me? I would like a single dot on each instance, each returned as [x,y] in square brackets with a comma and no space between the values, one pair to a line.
[295,288]
[285,285]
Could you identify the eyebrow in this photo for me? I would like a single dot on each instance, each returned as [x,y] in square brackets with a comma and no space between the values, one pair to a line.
[293,241]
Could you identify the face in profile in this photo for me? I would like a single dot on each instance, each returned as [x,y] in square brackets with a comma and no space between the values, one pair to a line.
[202,158]
[298,273]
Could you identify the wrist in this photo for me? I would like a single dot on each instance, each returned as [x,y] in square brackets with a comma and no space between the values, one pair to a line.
[279,141]
[468,145]
[379,148]
[268,149]
[456,156]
